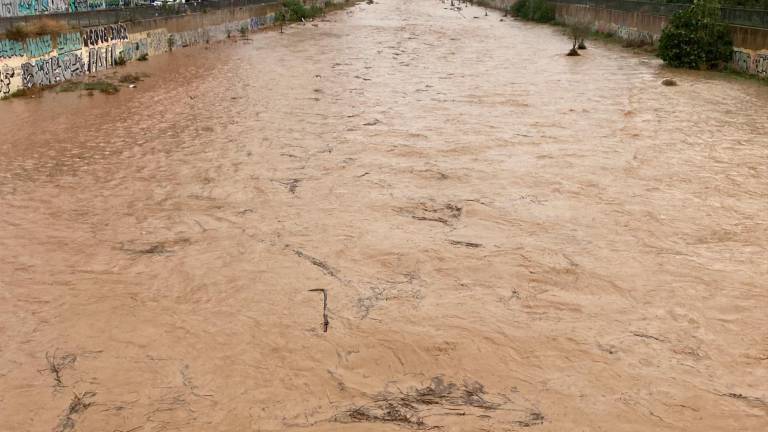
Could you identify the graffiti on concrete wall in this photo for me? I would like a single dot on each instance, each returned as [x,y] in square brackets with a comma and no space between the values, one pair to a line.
[48,60]
[59,5]
[262,21]
[188,38]
[161,41]
[634,35]
[106,34]
[10,48]
[761,65]
[751,63]
[8,8]
[12,8]
[39,46]
[37,7]
[27,7]
[68,42]
[133,50]
[6,73]
[742,60]
[101,58]
[158,41]
[52,70]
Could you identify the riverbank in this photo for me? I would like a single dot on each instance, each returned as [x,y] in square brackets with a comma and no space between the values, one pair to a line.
[115,78]
[43,61]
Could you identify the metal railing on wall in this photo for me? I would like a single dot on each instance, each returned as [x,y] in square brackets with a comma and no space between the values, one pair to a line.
[745,17]
[127,14]
[731,15]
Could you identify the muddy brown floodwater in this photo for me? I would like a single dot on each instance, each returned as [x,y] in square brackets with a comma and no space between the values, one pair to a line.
[508,237]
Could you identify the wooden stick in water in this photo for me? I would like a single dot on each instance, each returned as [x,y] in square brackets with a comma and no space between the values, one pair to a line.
[325,308]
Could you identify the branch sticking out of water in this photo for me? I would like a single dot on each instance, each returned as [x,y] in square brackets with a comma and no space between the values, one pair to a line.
[56,366]
[291,184]
[325,308]
[647,336]
[78,405]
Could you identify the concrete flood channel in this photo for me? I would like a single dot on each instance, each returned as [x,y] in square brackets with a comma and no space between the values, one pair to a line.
[508,238]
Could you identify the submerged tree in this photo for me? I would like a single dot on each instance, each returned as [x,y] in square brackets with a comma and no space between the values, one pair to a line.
[578,33]
[280,17]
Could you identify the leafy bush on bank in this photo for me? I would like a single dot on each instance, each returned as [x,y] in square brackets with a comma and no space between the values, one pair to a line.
[533,10]
[696,38]
[294,10]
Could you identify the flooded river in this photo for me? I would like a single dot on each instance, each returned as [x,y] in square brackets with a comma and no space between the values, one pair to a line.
[508,237]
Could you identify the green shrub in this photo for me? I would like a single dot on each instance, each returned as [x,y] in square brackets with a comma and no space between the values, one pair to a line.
[143,57]
[69,86]
[22,92]
[696,38]
[130,78]
[533,10]
[102,86]
[294,10]
[105,87]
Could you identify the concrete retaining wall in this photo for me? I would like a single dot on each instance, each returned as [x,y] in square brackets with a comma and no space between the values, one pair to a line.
[630,26]
[51,59]
[751,56]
